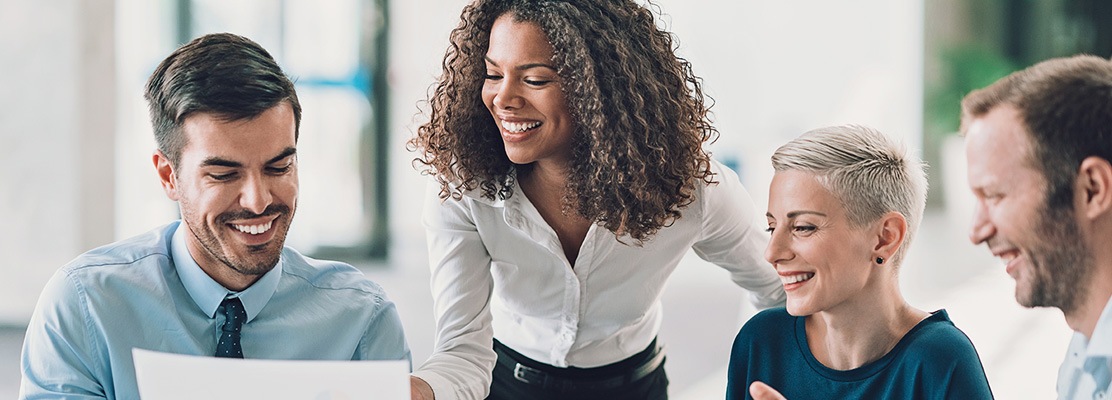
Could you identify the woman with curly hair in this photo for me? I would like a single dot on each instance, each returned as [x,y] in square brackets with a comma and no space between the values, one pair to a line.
[566,139]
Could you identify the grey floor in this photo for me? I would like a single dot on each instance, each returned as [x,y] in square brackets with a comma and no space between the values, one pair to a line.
[11,339]
[1020,348]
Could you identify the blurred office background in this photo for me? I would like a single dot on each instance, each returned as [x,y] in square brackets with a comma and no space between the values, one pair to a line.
[75,165]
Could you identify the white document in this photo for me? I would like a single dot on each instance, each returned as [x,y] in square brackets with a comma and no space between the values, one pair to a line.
[164,376]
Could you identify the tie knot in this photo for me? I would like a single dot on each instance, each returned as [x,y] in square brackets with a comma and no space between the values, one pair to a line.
[234,317]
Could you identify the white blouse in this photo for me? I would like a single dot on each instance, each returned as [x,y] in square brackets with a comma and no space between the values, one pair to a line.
[498,270]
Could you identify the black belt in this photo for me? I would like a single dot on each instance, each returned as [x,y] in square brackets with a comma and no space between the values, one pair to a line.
[549,381]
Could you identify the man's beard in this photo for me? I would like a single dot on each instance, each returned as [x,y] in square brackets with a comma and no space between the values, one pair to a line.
[1060,262]
[259,259]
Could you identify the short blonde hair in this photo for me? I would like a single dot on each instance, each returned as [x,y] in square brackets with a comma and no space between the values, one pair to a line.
[870,172]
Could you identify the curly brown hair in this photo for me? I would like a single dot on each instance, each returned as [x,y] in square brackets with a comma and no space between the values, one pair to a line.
[639,110]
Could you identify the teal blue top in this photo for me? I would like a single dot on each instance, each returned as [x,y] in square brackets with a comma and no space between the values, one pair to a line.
[935,360]
[147,292]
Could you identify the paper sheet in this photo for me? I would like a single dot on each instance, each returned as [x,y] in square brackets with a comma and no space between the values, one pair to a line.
[164,376]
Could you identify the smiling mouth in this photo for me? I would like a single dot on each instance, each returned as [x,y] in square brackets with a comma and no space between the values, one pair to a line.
[1010,259]
[1006,256]
[254,229]
[796,278]
[519,127]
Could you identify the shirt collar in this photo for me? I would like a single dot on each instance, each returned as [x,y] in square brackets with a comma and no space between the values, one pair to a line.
[1101,342]
[207,293]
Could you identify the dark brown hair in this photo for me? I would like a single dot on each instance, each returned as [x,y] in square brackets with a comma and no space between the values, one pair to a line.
[639,110]
[225,74]
[1066,107]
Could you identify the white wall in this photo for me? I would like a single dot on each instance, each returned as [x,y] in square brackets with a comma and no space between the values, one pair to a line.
[777,69]
[144,35]
[419,37]
[57,122]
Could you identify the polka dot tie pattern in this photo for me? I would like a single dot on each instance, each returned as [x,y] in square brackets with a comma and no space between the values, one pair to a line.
[234,317]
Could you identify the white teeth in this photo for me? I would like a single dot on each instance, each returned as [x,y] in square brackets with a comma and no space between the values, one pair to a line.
[518,127]
[254,229]
[796,278]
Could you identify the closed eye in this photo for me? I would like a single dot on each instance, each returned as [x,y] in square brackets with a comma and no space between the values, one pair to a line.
[282,169]
[804,229]
[278,170]
[223,177]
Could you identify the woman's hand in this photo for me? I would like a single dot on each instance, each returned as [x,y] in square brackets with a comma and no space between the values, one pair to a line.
[760,391]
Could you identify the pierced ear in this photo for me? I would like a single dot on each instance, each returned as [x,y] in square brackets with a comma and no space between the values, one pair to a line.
[893,229]
[1094,186]
[166,175]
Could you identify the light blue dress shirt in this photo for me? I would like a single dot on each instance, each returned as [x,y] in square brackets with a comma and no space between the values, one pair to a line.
[147,292]
[1086,373]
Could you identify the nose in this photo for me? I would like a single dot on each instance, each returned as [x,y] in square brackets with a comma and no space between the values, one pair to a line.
[778,250]
[255,195]
[507,96]
[982,228]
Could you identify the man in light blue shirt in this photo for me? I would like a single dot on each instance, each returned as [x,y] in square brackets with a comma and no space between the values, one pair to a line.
[226,122]
[1039,146]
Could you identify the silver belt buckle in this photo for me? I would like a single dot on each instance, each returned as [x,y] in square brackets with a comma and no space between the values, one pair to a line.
[522,373]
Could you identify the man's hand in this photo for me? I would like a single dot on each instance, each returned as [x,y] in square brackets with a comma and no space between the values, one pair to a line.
[419,389]
[761,391]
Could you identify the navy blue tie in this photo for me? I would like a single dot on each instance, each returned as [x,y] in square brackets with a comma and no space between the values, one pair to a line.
[234,317]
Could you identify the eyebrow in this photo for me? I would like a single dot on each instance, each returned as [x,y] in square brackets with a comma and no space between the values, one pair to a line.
[794,214]
[523,67]
[220,162]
